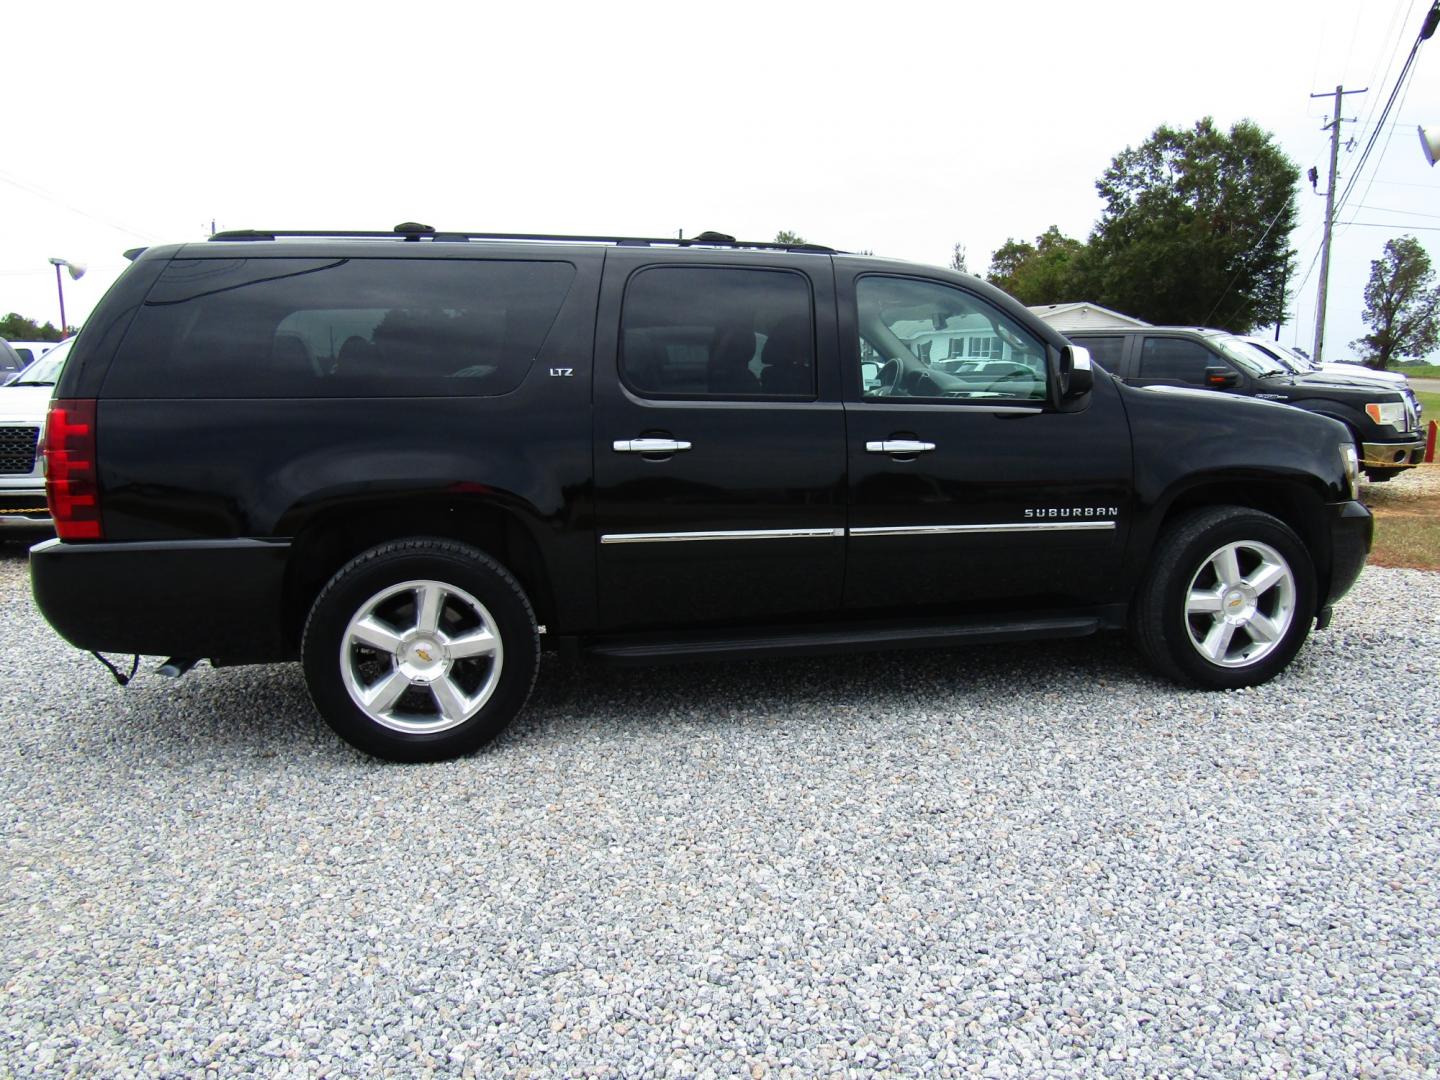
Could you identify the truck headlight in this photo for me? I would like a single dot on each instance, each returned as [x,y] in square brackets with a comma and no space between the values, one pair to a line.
[1351,461]
[1387,412]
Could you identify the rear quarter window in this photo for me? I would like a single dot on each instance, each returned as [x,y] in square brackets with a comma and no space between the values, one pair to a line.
[289,327]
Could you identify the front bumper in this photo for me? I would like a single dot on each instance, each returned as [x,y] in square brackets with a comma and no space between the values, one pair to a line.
[1351,530]
[217,599]
[1404,454]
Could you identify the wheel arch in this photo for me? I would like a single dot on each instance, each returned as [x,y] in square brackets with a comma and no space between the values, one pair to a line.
[332,537]
[1299,505]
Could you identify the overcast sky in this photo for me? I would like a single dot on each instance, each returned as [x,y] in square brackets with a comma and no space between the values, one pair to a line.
[899,127]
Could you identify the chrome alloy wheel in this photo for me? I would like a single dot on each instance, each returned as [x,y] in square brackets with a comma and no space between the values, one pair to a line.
[1240,603]
[421,657]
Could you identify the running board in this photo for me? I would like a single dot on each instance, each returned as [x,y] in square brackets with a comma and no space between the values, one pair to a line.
[817,640]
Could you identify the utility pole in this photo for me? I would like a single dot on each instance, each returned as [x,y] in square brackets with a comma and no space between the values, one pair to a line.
[1334,126]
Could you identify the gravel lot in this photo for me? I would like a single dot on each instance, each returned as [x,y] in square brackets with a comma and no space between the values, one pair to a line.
[1025,860]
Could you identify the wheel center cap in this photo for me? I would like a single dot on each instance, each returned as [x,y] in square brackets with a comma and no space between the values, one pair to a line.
[1237,604]
[423,657]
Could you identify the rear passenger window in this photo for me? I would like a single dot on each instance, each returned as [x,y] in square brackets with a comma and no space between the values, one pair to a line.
[1175,360]
[339,328]
[718,332]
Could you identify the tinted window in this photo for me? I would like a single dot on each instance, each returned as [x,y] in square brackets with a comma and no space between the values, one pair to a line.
[339,327]
[1176,360]
[1105,351]
[718,332]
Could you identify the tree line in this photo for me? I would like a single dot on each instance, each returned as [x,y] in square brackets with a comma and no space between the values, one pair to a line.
[15,327]
[1195,231]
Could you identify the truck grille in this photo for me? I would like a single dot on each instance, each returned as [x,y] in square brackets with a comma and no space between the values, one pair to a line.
[17,449]
[1412,411]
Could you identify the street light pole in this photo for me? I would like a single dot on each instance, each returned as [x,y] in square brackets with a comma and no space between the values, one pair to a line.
[60,288]
[77,271]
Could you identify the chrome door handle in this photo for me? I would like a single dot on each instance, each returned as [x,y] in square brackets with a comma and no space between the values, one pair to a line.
[650,446]
[899,446]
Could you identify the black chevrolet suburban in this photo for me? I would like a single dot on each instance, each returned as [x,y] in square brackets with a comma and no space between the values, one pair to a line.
[1383,420]
[411,460]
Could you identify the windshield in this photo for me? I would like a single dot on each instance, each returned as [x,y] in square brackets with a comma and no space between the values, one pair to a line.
[1253,360]
[1301,363]
[46,370]
[1263,351]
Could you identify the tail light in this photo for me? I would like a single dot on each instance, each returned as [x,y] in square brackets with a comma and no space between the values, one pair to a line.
[72,479]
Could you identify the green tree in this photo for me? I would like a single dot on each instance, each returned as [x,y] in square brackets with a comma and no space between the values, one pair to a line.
[1402,306]
[1049,271]
[15,327]
[957,259]
[785,236]
[1196,228]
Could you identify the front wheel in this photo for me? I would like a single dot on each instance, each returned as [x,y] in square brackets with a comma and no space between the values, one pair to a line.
[420,650]
[1383,476]
[1228,600]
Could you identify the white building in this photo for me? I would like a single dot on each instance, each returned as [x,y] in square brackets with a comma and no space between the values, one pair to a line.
[1083,315]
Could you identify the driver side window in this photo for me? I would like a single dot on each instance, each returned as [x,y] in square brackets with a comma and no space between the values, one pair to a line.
[922,339]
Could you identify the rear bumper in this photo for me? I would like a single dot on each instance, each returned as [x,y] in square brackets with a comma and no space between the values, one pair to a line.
[219,599]
[1351,531]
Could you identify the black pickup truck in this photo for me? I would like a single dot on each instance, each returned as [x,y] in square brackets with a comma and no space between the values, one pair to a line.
[1383,420]
[412,459]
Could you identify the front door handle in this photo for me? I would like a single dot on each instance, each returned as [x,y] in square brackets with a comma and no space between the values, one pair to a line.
[650,446]
[899,446]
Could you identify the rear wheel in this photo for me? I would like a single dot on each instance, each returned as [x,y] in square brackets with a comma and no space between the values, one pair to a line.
[1228,600]
[420,650]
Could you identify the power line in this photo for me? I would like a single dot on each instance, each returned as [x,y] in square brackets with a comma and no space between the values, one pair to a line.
[1397,24]
[1393,225]
[1389,210]
[1406,183]
[39,193]
[1313,260]
[1390,134]
[1241,268]
[1432,17]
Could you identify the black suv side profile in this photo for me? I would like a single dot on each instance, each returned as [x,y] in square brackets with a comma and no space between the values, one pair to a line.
[411,459]
[1384,421]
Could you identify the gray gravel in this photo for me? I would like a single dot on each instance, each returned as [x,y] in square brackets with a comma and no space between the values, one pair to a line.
[1014,861]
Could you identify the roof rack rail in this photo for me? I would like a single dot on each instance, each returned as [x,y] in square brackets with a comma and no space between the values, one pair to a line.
[414,231]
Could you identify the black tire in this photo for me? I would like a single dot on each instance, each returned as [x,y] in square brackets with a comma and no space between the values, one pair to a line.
[476,606]
[1382,476]
[1170,637]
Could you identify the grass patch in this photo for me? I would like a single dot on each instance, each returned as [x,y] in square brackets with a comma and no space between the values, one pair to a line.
[1408,539]
[1431,401]
[1407,519]
[1423,371]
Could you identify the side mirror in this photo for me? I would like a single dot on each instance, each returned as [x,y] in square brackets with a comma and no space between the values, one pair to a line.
[869,374]
[1217,377]
[1076,375]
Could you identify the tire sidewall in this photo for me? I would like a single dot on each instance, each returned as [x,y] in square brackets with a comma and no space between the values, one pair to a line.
[446,562]
[1188,560]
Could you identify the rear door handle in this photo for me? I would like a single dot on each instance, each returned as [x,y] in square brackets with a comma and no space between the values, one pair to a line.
[899,446]
[650,446]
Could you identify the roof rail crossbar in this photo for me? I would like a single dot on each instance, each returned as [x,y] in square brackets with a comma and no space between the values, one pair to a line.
[411,231]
